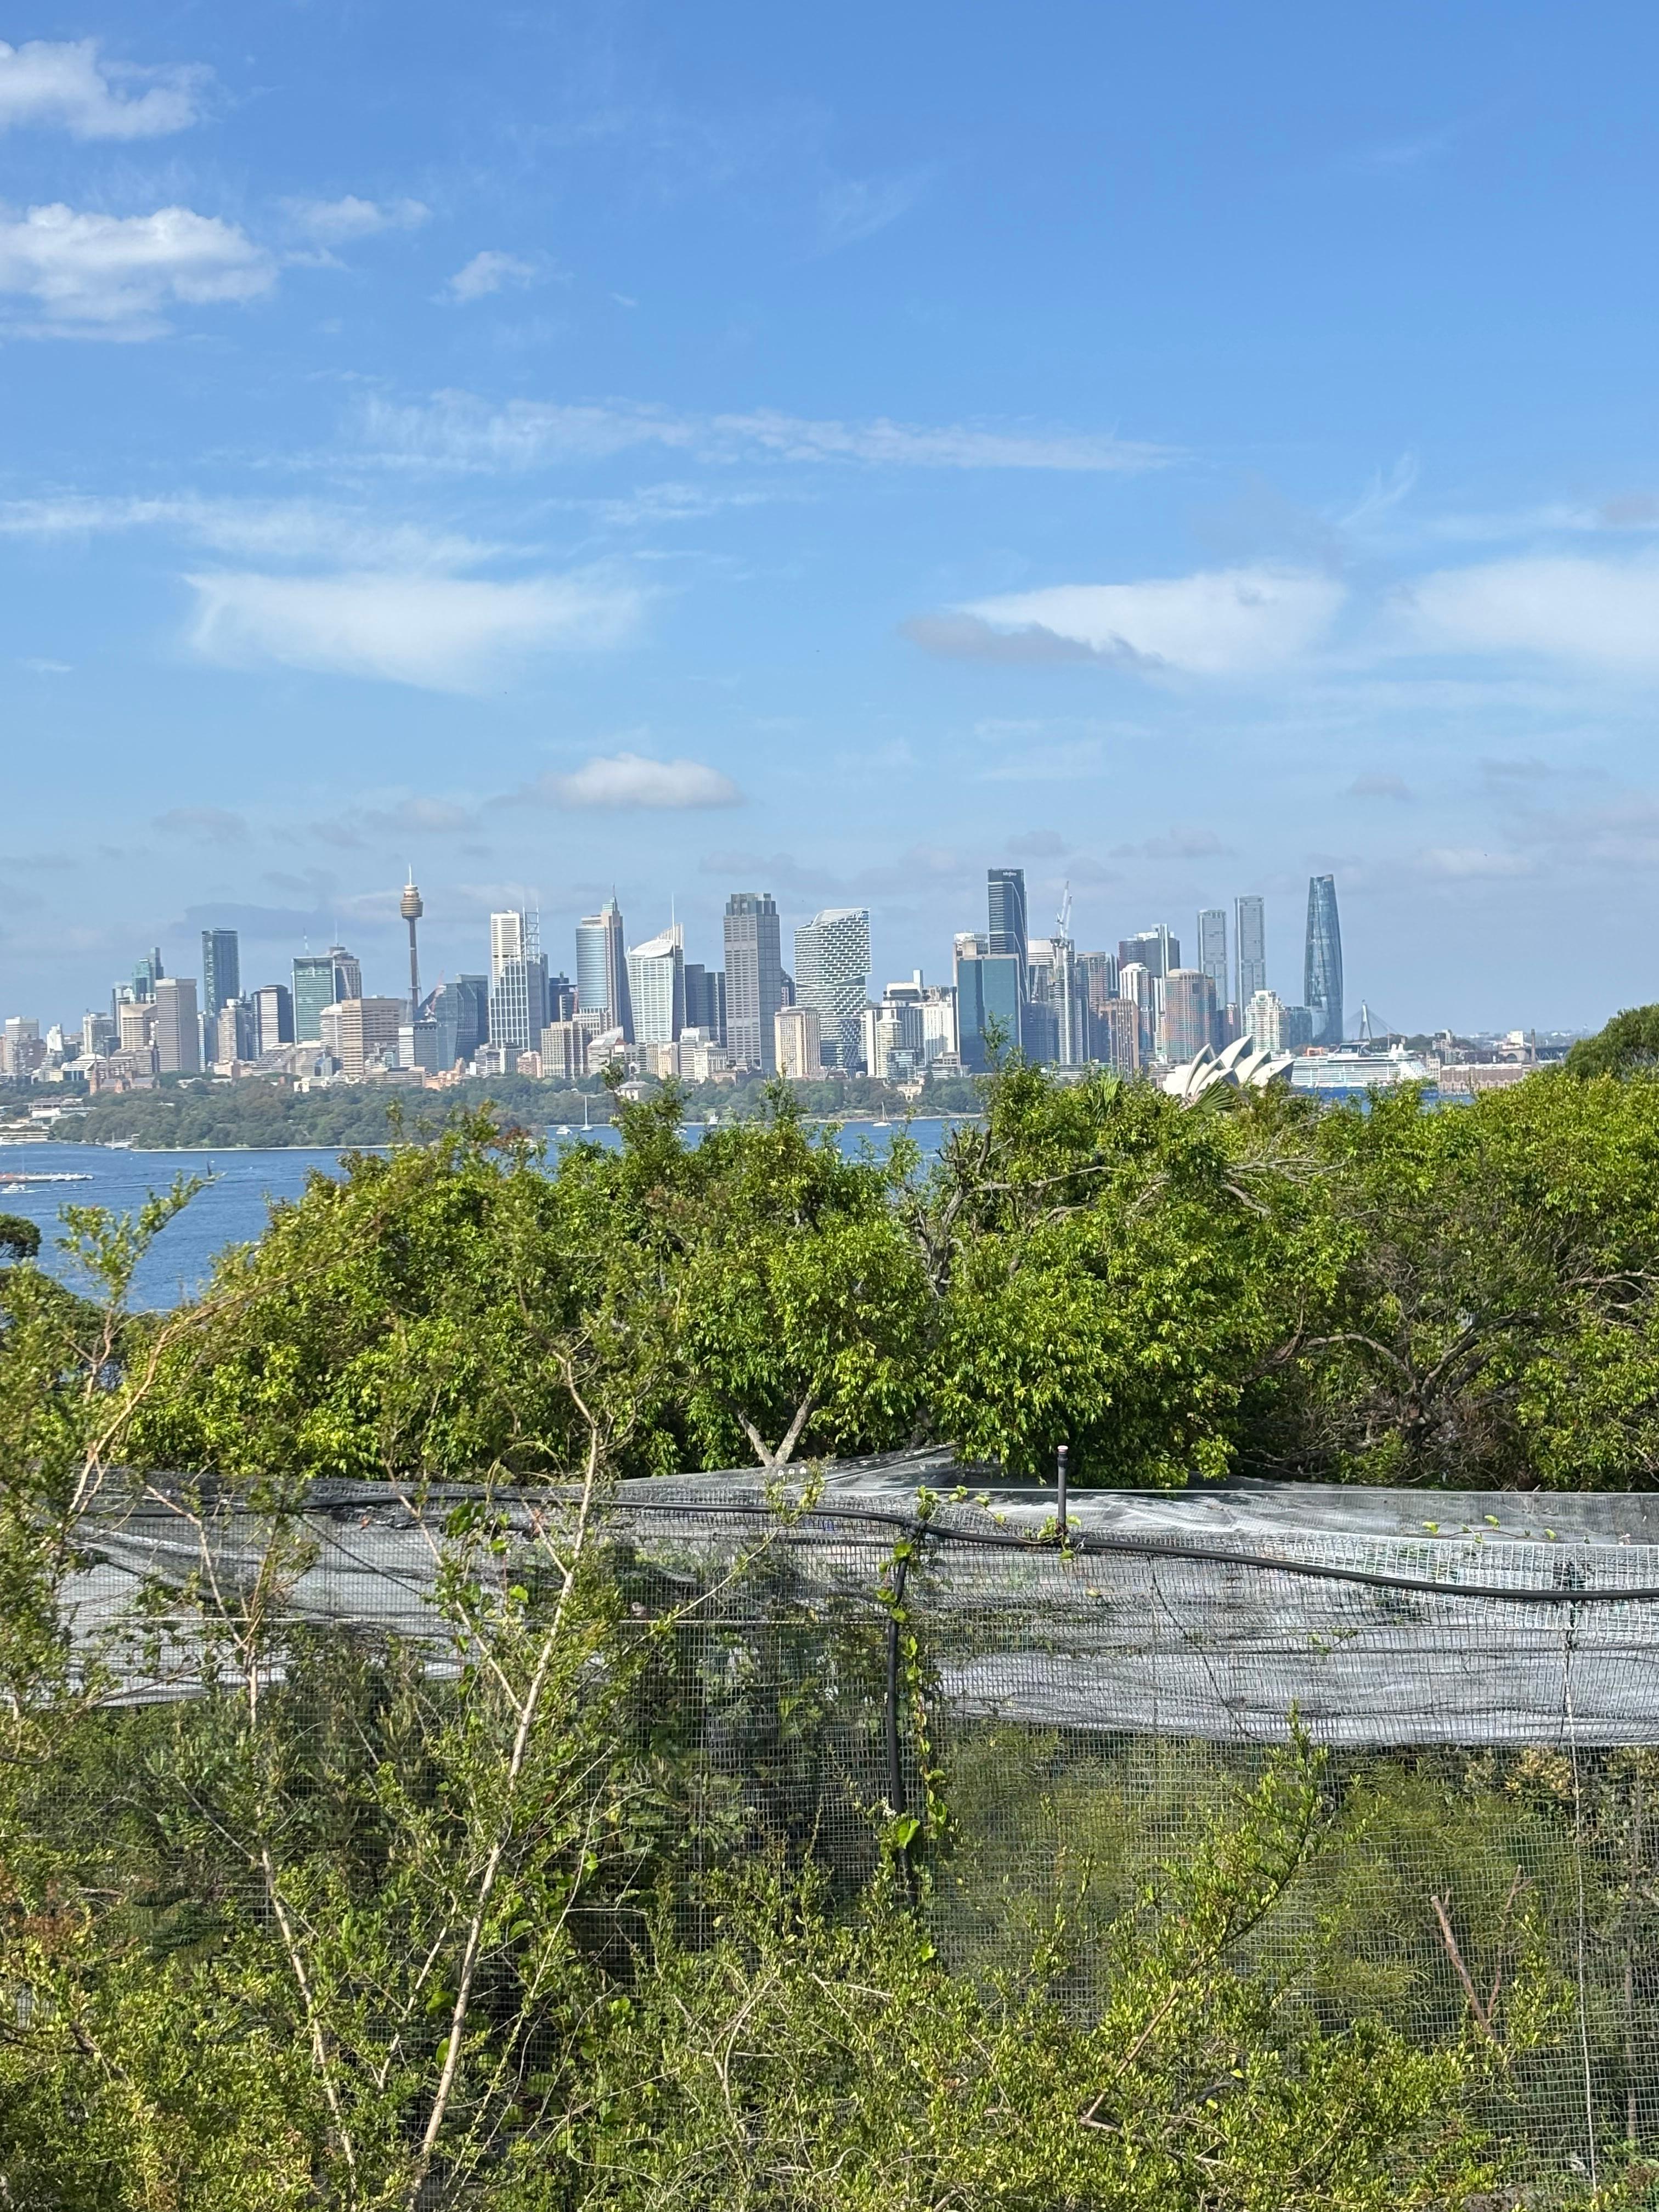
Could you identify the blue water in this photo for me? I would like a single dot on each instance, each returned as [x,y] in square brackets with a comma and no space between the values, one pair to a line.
[233,1207]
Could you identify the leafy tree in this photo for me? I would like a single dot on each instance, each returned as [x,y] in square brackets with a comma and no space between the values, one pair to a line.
[1627,1043]
[19,1236]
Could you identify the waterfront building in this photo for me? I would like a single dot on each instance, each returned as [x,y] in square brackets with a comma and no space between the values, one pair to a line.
[177,1035]
[564,1050]
[656,987]
[893,1035]
[1265,1023]
[1250,945]
[1190,1011]
[832,975]
[222,971]
[1321,991]
[796,1043]
[990,1000]
[601,968]
[754,980]
[939,1036]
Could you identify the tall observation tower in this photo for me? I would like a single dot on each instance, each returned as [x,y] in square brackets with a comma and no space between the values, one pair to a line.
[411,910]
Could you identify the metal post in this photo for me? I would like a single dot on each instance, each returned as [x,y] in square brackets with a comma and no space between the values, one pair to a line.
[896,1790]
[1060,1458]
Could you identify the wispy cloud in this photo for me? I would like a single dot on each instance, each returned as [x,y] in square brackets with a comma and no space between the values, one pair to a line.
[337,223]
[279,530]
[493,271]
[856,207]
[114,276]
[441,634]
[66,85]
[1392,787]
[1235,622]
[456,430]
[1178,844]
[628,780]
[1602,613]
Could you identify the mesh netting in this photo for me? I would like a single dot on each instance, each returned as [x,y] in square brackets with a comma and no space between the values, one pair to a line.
[1485,1687]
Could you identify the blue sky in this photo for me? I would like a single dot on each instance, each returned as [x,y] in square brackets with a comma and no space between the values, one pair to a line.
[832,451]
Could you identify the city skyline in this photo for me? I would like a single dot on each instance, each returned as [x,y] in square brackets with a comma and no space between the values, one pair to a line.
[1160,468]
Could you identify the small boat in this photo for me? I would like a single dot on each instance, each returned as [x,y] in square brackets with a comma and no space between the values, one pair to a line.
[563,1129]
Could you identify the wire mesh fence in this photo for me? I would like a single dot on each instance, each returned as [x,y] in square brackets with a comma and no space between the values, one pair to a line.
[1037,1720]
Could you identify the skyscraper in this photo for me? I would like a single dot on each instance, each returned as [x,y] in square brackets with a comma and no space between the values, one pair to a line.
[177,1026]
[313,990]
[990,1002]
[147,974]
[460,1008]
[601,968]
[273,1017]
[832,976]
[705,1001]
[1157,951]
[1188,1015]
[1212,949]
[222,971]
[1321,992]
[1006,931]
[1250,938]
[507,941]
[656,987]
[754,979]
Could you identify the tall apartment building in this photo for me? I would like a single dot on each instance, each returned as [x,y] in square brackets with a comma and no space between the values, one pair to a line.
[656,987]
[1321,992]
[601,968]
[1116,1039]
[1189,1013]
[508,935]
[754,979]
[322,980]
[1264,1021]
[832,975]
[177,1026]
[1250,945]
[1213,950]
[1098,972]
[797,1042]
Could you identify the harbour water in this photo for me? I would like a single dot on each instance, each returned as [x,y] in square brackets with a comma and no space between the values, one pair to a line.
[240,1188]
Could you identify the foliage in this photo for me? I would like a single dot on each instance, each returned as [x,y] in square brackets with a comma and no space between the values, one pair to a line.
[1627,1043]
[19,1236]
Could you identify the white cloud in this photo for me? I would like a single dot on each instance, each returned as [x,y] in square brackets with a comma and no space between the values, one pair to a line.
[280,530]
[335,222]
[456,430]
[210,824]
[491,271]
[1602,612]
[630,779]
[65,85]
[104,276]
[1232,622]
[441,634]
